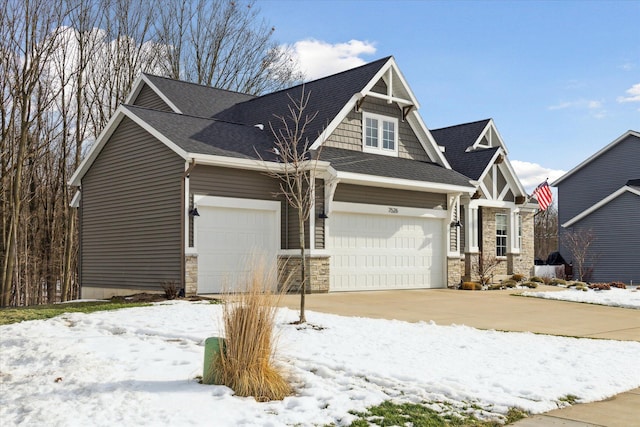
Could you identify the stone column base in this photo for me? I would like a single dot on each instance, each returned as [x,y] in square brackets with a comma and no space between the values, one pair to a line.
[454,271]
[191,274]
[317,272]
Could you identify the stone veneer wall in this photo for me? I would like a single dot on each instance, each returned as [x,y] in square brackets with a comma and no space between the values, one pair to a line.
[191,274]
[454,271]
[317,268]
[522,263]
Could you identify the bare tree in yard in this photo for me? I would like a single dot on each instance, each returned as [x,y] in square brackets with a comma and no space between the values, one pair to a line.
[484,267]
[222,43]
[29,40]
[546,232]
[292,148]
[580,243]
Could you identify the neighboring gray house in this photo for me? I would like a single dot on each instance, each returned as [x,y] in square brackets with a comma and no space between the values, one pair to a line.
[390,196]
[602,194]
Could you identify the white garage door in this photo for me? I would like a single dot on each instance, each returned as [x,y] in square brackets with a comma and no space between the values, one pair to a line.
[231,234]
[374,252]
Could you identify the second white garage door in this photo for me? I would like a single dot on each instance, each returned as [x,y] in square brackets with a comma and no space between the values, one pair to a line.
[229,234]
[375,252]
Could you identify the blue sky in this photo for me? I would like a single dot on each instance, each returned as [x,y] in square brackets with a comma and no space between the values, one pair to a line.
[561,79]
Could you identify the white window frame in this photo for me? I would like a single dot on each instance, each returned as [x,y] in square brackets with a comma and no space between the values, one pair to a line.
[381,120]
[502,237]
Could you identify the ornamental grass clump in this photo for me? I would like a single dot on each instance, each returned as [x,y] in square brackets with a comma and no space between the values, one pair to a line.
[246,365]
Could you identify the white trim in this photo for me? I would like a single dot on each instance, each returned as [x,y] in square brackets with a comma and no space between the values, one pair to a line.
[388,210]
[492,203]
[432,149]
[235,203]
[137,88]
[596,155]
[75,202]
[111,126]
[335,122]
[600,204]
[403,184]
[311,253]
[381,119]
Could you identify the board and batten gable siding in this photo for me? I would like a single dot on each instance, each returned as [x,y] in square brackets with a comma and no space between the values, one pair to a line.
[247,184]
[348,134]
[389,197]
[130,236]
[147,98]
[616,246]
[598,179]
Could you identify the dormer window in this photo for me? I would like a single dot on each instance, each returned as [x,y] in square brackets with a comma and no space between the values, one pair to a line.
[380,134]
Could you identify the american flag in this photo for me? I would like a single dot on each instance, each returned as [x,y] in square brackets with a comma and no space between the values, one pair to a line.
[543,194]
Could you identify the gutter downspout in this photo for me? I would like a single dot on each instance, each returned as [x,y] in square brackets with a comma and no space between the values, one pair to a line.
[183,214]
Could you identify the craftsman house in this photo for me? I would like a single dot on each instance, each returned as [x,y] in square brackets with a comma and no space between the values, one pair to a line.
[601,197]
[174,190]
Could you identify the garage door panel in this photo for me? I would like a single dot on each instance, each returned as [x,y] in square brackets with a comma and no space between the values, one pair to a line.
[228,240]
[372,252]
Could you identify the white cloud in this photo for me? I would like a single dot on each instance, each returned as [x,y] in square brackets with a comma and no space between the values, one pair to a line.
[633,92]
[532,174]
[581,103]
[319,59]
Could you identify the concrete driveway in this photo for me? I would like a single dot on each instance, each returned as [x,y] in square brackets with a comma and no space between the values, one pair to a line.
[501,310]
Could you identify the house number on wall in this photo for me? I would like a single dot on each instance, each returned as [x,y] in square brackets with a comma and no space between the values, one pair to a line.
[393,210]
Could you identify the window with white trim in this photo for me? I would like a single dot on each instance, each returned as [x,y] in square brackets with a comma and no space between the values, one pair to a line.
[501,235]
[379,134]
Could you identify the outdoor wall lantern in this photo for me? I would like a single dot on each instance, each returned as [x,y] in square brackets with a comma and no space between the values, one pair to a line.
[455,224]
[323,215]
[193,212]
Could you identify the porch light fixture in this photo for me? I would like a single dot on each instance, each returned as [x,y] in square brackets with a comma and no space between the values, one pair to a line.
[323,215]
[193,212]
[455,224]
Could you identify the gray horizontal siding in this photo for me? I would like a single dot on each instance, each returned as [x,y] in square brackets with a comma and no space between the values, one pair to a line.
[348,134]
[147,98]
[616,246]
[130,234]
[245,184]
[388,197]
[601,177]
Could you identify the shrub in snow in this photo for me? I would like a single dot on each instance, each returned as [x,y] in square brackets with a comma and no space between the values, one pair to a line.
[530,284]
[471,286]
[509,283]
[555,282]
[600,286]
[618,285]
[518,277]
[536,279]
[170,289]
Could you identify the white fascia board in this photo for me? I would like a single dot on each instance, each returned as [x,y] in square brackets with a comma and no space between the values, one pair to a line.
[75,202]
[491,162]
[139,84]
[401,184]
[596,155]
[335,122]
[96,147]
[249,164]
[391,64]
[106,133]
[600,204]
[512,177]
[418,126]
[476,203]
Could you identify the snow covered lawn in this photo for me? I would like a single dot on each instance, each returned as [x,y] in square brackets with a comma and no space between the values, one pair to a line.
[628,298]
[139,366]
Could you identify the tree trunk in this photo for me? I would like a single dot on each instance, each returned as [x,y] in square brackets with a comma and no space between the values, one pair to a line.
[303,263]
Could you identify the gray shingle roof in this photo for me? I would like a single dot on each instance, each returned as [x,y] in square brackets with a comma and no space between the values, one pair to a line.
[197,100]
[208,136]
[327,96]
[456,139]
[391,167]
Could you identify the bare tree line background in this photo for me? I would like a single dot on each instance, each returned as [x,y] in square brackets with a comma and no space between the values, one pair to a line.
[65,66]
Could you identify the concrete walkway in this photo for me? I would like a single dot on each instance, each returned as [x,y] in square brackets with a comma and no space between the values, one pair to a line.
[501,310]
